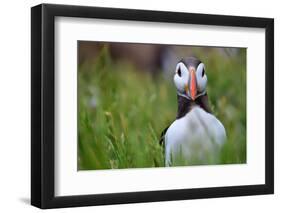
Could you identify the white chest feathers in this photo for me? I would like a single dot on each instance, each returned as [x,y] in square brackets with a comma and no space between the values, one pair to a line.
[194,139]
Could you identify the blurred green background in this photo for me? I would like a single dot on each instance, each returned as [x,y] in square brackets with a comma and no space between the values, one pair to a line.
[127,97]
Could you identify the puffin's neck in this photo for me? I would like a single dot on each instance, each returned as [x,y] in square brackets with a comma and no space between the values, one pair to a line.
[185,105]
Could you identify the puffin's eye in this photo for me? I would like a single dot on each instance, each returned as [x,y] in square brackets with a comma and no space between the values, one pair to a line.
[203,72]
[179,72]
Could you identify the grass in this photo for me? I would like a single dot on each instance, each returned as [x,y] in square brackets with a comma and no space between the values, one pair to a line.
[122,111]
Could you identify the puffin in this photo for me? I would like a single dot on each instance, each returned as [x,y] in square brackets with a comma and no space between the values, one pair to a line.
[196,136]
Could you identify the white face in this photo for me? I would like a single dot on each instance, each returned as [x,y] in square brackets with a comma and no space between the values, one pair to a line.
[190,82]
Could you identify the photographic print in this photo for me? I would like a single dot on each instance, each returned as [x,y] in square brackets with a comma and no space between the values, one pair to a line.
[158,105]
[169,105]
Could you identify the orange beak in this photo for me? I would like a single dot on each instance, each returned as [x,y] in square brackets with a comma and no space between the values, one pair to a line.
[193,87]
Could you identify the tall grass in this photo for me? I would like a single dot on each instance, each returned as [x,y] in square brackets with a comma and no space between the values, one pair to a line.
[122,111]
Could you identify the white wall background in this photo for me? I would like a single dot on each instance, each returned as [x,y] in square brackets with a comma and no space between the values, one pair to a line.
[15,105]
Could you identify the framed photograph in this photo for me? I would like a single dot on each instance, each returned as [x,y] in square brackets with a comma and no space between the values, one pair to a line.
[139,106]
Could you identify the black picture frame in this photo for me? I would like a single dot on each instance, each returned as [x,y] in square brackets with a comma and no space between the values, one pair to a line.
[43,105]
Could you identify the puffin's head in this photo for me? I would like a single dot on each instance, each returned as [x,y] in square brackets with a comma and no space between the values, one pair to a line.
[190,78]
